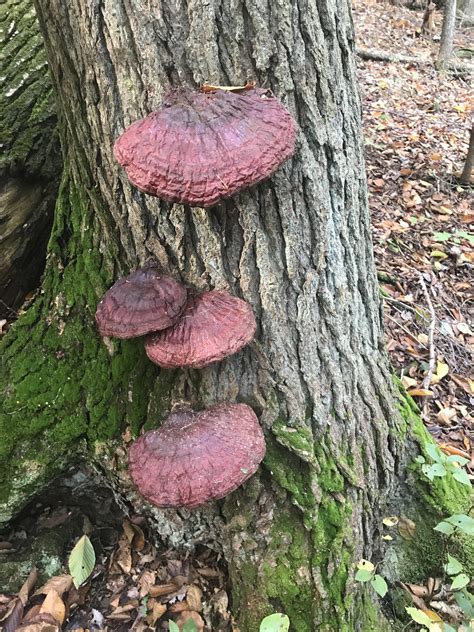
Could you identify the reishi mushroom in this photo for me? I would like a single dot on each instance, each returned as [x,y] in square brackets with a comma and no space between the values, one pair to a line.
[212,326]
[145,301]
[200,147]
[196,457]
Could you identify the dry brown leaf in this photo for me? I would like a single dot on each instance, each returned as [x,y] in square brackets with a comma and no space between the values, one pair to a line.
[157,611]
[445,416]
[162,589]
[60,583]
[406,528]
[193,597]
[420,392]
[54,605]
[190,614]
[179,606]
[147,579]
[452,450]
[40,623]
[28,586]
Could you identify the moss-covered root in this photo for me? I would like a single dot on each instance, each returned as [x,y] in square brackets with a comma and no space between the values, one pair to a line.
[60,382]
[296,555]
[426,503]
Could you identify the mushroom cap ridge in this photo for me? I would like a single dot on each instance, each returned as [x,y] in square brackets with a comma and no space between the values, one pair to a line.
[201,147]
[213,325]
[142,302]
[196,457]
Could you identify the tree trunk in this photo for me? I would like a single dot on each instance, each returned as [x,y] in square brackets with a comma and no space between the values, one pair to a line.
[447,34]
[30,160]
[297,247]
[466,175]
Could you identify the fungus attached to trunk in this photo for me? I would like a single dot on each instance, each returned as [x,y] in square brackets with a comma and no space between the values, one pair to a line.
[212,326]
[196,457]
[140,303]
[201,147]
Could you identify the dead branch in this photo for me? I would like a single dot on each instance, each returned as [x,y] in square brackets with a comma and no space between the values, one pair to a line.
[459,68]
[431,330]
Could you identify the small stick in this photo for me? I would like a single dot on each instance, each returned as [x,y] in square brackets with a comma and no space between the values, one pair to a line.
[432,362]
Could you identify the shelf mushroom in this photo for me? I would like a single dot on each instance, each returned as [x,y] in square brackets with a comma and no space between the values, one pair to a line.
[196,457]
[200,147]
[145,301]
[212,326]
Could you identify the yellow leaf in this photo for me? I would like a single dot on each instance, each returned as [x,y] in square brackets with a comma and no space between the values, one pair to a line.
[387,537]
[420,392]
[54,605]
[365,565]
[390,521]
[408,382]
[438,254]
[434,616]
[460,108]
[442,370]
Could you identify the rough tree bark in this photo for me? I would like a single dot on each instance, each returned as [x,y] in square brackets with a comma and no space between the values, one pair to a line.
[447,34]
[297,247]
[466,175]
[30,161]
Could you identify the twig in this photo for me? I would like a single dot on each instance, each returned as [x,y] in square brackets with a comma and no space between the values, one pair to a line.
[459,68]
[407,331]
[431,330]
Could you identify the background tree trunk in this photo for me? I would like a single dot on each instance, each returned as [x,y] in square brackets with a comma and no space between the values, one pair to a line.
[297,247]
[466,175]
[447,34]
[30,161]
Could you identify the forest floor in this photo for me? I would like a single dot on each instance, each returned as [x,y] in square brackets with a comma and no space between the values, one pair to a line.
[416,125]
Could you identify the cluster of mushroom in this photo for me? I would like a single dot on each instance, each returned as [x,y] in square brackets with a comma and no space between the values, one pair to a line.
[193,457]
[199,148]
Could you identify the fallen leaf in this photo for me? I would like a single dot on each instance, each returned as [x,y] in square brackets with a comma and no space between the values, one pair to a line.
[390,521]
[193,597]
[420,392]
[442,370]
[186,615]
[54,605]
[60,583]
[406,528]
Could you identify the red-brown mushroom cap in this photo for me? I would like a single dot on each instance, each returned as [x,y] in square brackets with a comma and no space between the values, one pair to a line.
[212,326]
[140,303]
[196,457]
[201,147]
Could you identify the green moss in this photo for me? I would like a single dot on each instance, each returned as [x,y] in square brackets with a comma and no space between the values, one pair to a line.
[61,382]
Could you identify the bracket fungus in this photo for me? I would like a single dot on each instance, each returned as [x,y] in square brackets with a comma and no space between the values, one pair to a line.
[145,301]
[212,326]
[200,147]
[196,457]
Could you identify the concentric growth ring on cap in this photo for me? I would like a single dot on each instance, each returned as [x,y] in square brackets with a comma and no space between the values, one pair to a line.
[202,147]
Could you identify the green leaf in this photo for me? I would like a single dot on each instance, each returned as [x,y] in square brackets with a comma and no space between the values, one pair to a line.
[81,561]
[455,458]
[189,626]
[433,452]
[444,527]
[442,236]
[420,459]
[275,623]
[363,576]
[426,469]
[454,566]
[448,628]
[437,469]
[419,616]
[465,235]
[172,626]
[462,522]
[460,581]
[465,601]
[461,476]
[379,585]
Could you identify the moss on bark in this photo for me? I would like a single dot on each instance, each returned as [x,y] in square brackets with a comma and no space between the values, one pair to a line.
[61,383]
